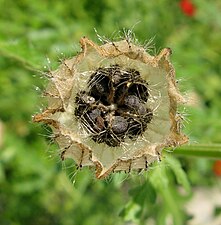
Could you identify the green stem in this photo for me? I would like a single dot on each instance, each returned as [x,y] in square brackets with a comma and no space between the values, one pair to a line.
[25,63]
[200,150]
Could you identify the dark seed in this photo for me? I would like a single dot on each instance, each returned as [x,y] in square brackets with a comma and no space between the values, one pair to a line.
[94,114]
[100,123]
[97,120]
[141,109]
[99,86]
[119,125]
[132,101]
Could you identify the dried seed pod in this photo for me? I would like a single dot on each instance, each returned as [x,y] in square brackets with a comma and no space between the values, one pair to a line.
[114,107]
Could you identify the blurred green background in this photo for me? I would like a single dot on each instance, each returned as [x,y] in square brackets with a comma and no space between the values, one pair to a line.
[35,187]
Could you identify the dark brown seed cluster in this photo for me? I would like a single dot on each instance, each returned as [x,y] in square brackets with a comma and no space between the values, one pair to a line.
[114,106]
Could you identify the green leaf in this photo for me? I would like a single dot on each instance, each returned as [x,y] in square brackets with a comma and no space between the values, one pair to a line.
[160,180]
[130,212]
[143,193]
[178,171]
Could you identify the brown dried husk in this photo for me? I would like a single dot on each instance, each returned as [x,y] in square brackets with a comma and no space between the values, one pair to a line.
[73,75]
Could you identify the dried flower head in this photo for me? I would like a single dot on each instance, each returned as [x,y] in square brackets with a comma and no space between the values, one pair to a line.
[114,107]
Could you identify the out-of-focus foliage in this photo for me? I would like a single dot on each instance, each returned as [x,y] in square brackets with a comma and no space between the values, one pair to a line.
[33,187]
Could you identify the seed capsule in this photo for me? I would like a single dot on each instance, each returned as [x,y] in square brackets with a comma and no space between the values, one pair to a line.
[114,107]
